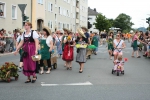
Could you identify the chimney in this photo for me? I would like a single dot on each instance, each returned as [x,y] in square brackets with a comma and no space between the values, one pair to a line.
[95,9]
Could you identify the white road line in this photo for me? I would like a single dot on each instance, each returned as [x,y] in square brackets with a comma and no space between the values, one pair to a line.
[71,84]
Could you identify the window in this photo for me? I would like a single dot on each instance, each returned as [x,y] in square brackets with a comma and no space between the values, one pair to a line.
[63,25]
[59,10]
[55,17]
[14,12]
[59,25]
[51,7]
[50,24]
[68,26]
[55,1]
[40,1]
[2,9]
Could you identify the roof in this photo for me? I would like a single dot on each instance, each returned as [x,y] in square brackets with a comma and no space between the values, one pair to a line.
[92,11]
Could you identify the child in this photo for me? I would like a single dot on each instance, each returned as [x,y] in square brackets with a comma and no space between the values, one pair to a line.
[119,62]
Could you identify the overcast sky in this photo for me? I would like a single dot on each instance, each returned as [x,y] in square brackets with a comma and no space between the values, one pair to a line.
[139,10]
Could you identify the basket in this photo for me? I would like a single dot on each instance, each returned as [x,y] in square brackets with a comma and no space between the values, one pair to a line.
[36,57]
[81,46]
[91,47]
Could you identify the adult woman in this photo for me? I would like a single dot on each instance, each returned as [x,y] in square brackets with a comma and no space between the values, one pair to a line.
[141,38]
[68,49]
[135,45]
[58,38]
[110,44]
[118,45]
[64,36]
[81,52]
[46,44]
[145,41]
[20,51]
[29,41]
[94,41]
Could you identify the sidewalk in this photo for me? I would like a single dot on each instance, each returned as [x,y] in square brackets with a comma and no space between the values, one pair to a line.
[4,54]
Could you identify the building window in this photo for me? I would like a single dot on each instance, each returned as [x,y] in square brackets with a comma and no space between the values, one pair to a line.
[41,1]
[14,12]
[55,17]
[2,9]
[55,1]
[51,7]
[68,26]
[50,24]
[59,25]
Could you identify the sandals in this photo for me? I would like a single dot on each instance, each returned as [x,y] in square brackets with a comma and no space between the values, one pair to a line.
[28,81]
[48,72]
[139,57]
[33,81]
[80,71]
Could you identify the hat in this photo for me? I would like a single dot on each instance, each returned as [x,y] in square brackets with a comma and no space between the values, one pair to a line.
[66,30]
[47,29]
[21,31]
[84,28]
[81,33]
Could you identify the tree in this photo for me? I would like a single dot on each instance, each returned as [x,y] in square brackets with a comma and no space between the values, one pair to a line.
[111,21]
[123,22]
[102,23]
[89,25]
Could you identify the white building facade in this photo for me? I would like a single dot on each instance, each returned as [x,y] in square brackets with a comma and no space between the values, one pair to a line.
[91,18]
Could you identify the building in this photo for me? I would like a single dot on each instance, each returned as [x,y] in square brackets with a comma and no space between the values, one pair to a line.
[92,13]
[56,14]
[10,13]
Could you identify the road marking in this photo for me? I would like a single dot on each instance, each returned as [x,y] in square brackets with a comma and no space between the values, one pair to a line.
[71,84]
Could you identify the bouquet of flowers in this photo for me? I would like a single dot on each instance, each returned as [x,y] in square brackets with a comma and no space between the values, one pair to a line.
[69,38]
[8,70]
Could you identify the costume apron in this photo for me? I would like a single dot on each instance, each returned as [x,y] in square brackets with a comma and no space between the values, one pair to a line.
[45,54]
[29,66]
[110,44]
[95,41]
[63,44]
[68,52]
[135,44]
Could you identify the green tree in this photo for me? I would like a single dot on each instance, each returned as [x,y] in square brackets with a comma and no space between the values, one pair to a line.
[123,22]
[111,21]
[102,23]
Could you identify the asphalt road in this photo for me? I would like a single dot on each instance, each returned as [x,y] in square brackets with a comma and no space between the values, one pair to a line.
[95,83]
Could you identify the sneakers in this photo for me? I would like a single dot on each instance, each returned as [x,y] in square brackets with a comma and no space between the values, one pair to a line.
[19,69]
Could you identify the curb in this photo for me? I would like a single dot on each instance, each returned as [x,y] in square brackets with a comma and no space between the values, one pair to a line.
[5,54]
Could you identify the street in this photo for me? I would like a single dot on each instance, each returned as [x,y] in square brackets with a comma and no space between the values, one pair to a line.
[95,83]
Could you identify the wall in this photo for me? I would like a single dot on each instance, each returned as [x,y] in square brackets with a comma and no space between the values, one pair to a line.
[7,22]
[92,21]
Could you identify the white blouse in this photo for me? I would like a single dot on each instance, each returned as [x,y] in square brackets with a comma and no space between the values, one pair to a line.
[35,35]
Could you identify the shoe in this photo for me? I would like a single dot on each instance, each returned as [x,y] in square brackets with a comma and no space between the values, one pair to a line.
[33,81]
[67,68]
[70,68]
[48,72]
[80,71]
[28,81]
[139,57]
[19,69]
[42,72]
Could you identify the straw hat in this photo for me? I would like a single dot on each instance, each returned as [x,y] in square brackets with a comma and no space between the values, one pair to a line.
[47,29]
[21,31]
[84,28]
[36,57]
[66,30]
[81,33]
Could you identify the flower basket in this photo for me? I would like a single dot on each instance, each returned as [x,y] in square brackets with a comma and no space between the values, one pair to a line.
[81,46]
[7,71]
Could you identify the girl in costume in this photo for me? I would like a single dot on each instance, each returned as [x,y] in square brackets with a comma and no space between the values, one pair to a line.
[81,52]
[64,36]
[29,44]
[20,51]
[46,44]
[135,44]
[110,44]
[95,43]
[68,49]
[58,38]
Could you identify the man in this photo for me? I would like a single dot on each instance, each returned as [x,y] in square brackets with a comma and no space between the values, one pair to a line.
[9,42]
[87,39]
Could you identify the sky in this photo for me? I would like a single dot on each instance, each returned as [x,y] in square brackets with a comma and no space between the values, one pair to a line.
[139,10]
